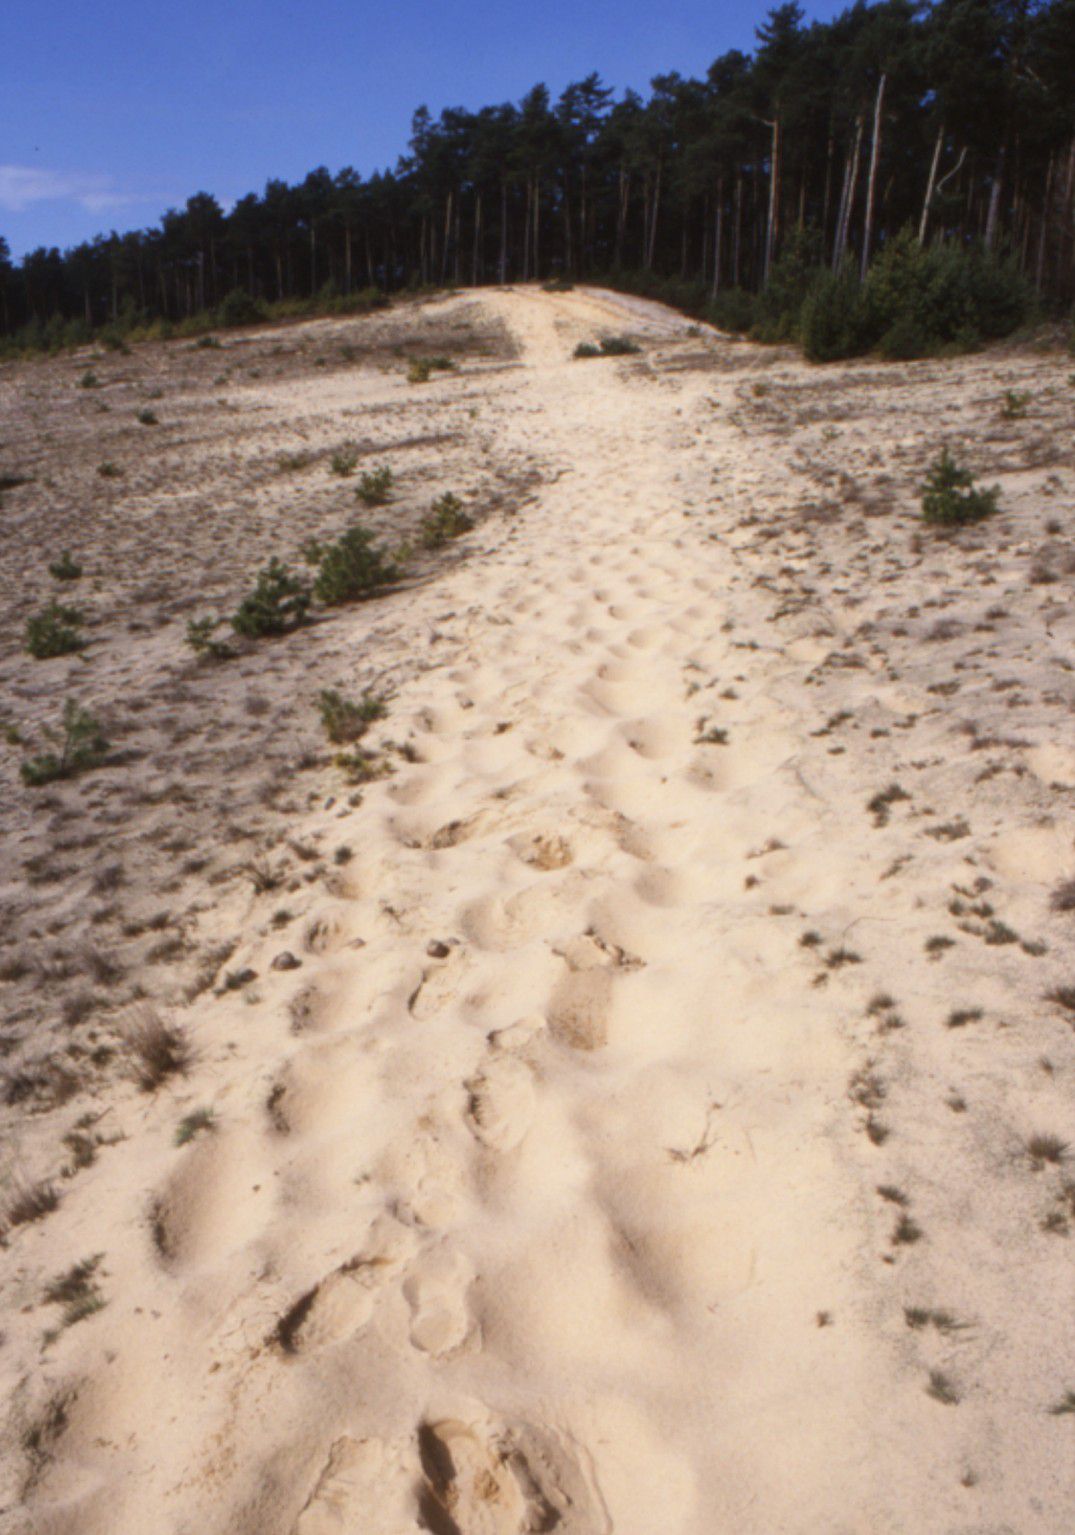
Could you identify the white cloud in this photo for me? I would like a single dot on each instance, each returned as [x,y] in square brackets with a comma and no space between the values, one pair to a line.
[23,185]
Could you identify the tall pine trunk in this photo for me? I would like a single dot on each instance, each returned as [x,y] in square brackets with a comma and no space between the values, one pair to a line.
[871,184]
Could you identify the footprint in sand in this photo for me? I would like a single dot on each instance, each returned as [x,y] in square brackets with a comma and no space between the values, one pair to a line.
[342,1303]
[579,1008]
[500,1109]
[440,983]
[543,851]
[360,1487]
[481,1479]
[436,1291]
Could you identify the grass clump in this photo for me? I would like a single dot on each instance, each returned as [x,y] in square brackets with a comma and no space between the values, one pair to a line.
[55,631]
[147,417]
[950,497]
[344,461]
[1013,406]
[353,568]
[76,1292]
[193,1124]
[278,603]
[343,719]
[374,487]
[200,639]
[65,568]
[109,470]
[82,746]
[158,1051]
[89,380]
[446,521]
[608,346]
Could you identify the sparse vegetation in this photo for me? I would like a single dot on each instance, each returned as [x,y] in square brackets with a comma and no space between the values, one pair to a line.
[28,1202]
[1046,1148]
[197,1122]
[278,603]
[199,637]
[55,631]
[1013,406]
[343,719]
[82,746]
[352,569]
[65,568]
[344,461]
[374,487]
[608,346]
[950,497]
[147,417]
[158,1050]
[446,520]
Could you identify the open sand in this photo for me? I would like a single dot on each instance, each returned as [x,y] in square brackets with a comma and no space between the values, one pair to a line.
[665,1127]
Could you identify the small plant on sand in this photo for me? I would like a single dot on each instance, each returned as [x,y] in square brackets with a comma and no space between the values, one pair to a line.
[558,285]
[374,487]
[207,344]
[291,463]
[158,1050]
[418,371]
[109,471]
[89,380]
[1046,1148]
[1065,1405]
[361,766]
[344,461]
[200,639]
[55,631]
[352,568]
[950,496]
[1013,407]
[82,746]
[446,521]
[28,1202]
[193,1124]
[608,346]
[586,349]
[279,602]
[65,568]
[77,1292]
[343,719]
[147,417]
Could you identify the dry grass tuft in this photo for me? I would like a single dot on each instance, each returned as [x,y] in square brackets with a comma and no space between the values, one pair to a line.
[158,1051]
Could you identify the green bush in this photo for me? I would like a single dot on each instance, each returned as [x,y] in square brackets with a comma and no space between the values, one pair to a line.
[200,639]
[89,380]
[940,296]
[830,321]
[446,521]
[345,720]
[238,308]
[279,602]
[587,349]
[778,308]
[374,487]
[55,631]
[352,568]
[147,417]
[65,568]
[732,309]
[950,496]
[344,461]
[619,346]
[82,746]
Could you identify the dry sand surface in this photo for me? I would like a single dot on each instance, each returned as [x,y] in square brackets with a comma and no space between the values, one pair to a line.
[662,1120]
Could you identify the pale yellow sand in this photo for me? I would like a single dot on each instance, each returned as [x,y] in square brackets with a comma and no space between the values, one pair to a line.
[576,1226]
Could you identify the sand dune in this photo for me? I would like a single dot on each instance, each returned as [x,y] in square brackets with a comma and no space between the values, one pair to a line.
[645,1139]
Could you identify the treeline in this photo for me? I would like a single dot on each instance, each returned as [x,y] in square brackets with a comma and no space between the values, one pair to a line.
[953,123]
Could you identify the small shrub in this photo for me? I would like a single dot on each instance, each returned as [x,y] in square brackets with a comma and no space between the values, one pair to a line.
[147,417]
[344,461]
[418,371]
[55,631]
[619,346]
[352,568]
[193,1124]
[1013,407]
[446,521]
[950,497]
[238,308]
[201,641]
[65,568]
[558,285]
[362,767]
[345,720]
[290,463]
[586,349]
[279,602]
[83,746]
[830,320]
[28,1202]
[109,471]
[158,1050]
[89,380]
[207,344]
[375,486]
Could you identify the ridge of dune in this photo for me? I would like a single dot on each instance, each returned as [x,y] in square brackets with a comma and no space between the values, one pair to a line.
[609,1163]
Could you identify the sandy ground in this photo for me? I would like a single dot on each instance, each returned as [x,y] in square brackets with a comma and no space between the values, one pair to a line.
[666,1124]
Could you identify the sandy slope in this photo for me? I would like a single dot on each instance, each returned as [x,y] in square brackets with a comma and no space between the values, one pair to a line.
[613,1161]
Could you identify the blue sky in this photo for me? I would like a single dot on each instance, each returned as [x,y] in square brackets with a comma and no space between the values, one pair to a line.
[112,111]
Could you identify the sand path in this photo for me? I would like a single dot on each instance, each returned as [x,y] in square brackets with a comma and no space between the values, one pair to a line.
[537,1199]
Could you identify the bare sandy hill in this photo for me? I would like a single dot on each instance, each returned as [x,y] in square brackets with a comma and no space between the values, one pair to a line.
[666,1124]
